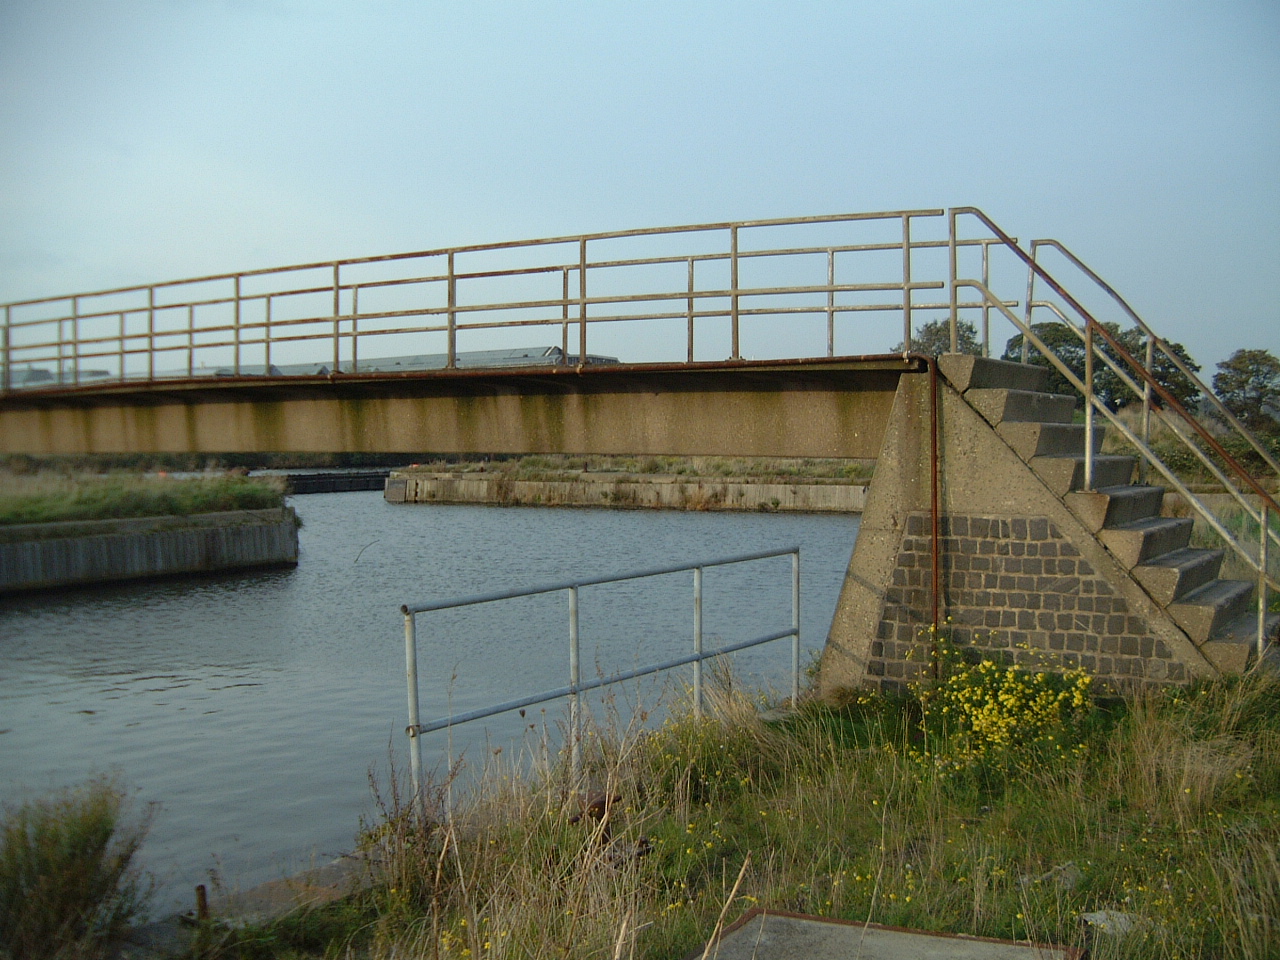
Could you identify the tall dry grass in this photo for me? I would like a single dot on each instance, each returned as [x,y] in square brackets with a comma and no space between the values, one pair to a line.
[1163,809]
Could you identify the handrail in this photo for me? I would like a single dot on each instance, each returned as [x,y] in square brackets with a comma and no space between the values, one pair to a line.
[1091,324]
[1150,455]
[577,685]
[1177,361]
[244,323]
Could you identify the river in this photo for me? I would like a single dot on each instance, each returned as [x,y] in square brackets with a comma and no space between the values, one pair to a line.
[250,708]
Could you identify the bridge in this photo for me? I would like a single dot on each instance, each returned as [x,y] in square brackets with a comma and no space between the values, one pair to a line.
[994,507]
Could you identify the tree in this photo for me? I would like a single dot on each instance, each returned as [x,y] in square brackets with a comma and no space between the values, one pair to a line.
[1068,346]
[1248,382]
[934,338]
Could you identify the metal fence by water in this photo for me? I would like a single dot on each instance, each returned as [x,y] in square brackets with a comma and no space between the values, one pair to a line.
[577,685]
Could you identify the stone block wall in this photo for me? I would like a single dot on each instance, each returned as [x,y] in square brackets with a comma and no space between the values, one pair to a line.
[1013,588]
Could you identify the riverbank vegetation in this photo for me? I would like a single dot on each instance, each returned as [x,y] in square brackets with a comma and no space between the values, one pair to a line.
[48,497]
[993,802]
[67,883]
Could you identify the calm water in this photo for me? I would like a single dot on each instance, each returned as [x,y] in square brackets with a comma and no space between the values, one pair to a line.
[251,707]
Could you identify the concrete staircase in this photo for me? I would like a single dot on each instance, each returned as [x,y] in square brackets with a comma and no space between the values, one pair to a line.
[1218,616]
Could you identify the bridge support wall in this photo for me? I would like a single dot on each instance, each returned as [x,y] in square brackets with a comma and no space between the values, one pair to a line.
[1022,578]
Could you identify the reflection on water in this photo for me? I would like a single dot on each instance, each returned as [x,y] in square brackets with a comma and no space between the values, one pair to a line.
[252,706]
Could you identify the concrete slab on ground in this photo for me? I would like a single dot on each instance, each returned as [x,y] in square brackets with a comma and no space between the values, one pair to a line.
[766,935]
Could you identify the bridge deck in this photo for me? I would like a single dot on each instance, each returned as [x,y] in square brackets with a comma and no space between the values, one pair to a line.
[828,407]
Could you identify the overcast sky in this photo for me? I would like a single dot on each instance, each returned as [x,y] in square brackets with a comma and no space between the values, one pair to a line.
[144,141]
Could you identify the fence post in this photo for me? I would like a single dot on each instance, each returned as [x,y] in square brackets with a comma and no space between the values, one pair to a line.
[795,626]
[337,322]
[1088,404]
[697,642]
[733,292]
[237,327]
[564,318]
[690,354]
[151,333]
[7,380]
[831,303]
[452,360]
[906,288]
[355,328]
[411,677]
[1263,550]
[951,254]
[575,718]
[1146,407]
[582,301]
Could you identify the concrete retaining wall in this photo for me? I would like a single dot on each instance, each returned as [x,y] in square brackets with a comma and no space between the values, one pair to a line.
[38,556]
[619,490]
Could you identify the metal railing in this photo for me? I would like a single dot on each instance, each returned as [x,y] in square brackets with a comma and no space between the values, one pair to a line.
[1102,348]
[577,686]
[333,318]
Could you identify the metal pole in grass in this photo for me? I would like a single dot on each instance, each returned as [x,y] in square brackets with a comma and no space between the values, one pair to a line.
[795,626]
[575,731]
[411,677]
[697,642]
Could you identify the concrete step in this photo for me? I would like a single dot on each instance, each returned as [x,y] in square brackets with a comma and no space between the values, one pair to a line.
[1235,647]
[1064,474]
[1144,540]
[999,405]
[1205,610]
[965,372]
[1048,439]
[1114,506]
[1175,574]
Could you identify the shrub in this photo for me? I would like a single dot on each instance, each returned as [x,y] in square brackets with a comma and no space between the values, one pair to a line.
[67,886]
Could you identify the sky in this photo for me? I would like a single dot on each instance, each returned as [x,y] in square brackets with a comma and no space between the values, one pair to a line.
[144,141]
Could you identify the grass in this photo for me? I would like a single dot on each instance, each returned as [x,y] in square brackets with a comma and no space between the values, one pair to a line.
[52,497]
[67,888]
[994,804]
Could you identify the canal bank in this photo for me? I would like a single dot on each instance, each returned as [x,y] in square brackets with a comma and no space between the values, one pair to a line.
[622,490]
[38,556]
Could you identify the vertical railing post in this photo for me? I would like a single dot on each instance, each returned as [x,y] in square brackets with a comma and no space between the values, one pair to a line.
[697,642]
[237,327]
[451,360]
[1088,404]
[1146,406]
[689,355]
[954,268]
[337,322]
[795,626]
[575,707]
[151,333]
[1263,551]
[411,678]
[582,301]
[564,318]
[62,340]
[75,347]
[986,302]
[831,303]
[121,358]
[906,287]
[735,351]
[266,337]
[355,328]
[191,340]
[6,376]
[1026,313]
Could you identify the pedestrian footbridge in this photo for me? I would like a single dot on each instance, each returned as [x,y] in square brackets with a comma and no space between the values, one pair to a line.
[1034,526]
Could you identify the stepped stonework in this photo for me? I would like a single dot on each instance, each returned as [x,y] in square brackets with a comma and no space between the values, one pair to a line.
[1032,569]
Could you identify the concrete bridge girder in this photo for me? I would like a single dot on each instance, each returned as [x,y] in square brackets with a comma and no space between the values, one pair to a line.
[826,408]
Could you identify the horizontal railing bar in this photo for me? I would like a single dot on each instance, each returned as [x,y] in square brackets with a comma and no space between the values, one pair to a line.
[517,244]
[594,581]
[589,685]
